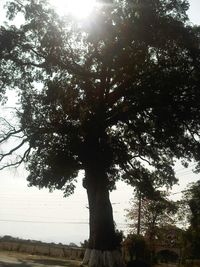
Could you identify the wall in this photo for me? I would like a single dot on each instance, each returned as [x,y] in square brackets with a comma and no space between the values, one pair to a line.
[61,251]
[192,263]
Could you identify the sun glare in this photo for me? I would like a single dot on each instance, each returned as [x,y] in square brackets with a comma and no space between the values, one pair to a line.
[77,8]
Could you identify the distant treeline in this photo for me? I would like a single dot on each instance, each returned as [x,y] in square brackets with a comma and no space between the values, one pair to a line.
[7,238]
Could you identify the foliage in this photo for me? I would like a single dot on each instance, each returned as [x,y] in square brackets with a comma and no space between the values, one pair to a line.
[170,236]
[116,96]
[85,244]
[157,224]
[155,215]
[136,247]
[72,244]
[167,256]
[82,103]
[194,204]
[191,198]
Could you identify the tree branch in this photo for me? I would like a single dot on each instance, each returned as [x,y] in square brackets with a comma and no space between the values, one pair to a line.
[3,155]
[10,134]
[17,162]
[192,133]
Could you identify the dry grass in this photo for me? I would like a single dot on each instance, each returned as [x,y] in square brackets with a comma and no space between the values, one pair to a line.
[23,260]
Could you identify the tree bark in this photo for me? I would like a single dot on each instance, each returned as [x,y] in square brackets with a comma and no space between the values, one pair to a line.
[103,248]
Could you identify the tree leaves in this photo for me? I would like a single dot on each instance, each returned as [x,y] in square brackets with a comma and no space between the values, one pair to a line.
[120,92]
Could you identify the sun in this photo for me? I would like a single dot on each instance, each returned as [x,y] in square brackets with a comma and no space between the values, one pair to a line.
[77,8]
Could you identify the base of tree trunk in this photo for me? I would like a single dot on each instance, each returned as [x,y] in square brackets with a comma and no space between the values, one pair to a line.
[98,258]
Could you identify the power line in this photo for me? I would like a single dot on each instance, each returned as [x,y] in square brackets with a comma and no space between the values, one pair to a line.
[182,191]
[185,168]
[45,222]
[55,222]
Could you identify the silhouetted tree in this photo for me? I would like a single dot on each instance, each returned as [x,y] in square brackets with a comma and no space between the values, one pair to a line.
[156,219]
[136,248]
[84,244]
[154,215]
[191,203]
[110,96]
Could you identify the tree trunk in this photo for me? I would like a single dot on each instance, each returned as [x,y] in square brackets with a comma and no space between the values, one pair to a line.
[103,248]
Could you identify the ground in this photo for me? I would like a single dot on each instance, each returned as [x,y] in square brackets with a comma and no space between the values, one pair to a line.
[13,259]
[167,265]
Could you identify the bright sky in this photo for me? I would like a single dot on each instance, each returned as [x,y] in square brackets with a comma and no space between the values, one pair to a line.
[37,214]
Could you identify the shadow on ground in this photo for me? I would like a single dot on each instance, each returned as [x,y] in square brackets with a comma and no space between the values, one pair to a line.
[52,262]
[37,262]
[9,264]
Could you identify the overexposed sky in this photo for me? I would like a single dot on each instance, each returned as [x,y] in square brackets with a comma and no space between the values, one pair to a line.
[194,11]
[37,214]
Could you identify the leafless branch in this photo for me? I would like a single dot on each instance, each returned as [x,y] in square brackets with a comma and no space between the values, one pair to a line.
[17,163]
[10,152]
[10,134]
[25,155]
[7,122]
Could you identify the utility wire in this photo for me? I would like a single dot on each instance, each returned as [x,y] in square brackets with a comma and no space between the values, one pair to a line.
[45,222]
[50,222]
[185,168]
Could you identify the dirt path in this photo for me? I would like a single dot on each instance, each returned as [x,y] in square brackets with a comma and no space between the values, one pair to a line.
[13,259]
[166,265]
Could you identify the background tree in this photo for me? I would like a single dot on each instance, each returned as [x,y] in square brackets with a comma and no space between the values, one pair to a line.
[112,96]
[191,215]
[157,221]
[136,248]
[154,215]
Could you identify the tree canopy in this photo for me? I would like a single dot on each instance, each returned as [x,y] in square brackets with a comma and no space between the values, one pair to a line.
[116,95]
[120,91]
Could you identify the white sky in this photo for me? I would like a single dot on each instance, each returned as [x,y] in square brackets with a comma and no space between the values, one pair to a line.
[37,214]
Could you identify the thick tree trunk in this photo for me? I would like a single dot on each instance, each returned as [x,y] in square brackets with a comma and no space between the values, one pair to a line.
[103,248]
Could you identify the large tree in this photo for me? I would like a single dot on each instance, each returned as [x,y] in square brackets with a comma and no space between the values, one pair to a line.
[111,96]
